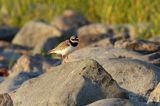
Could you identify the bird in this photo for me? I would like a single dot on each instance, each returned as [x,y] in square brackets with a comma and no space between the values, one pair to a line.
[66,47]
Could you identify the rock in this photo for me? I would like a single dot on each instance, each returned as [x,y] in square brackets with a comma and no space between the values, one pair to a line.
[45,45]
[137,45]
[92,33]
[27,67]
[136,76]
[105,43]
[155,39]
[102,54]
[35,32]
[154,58]
[72,84]
[5,100]
[10,57]
[131,70]
[6,46]
[155,95]
[124,31]
[116,102]
[7,33]
[106,51]
[69,22]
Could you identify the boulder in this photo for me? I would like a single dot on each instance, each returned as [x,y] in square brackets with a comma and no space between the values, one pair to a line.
[102,54]
[10,57]
[71,84]
[136,76]
[137,45]
[155,95]
[69,22]
[5,100]
[7,33]
[131,70]
[92,33]
[155,39]
[35,32]
[25,68]
[9,47]
[116,102]
[105,43]
[154,58]
[45,45]
[124,31]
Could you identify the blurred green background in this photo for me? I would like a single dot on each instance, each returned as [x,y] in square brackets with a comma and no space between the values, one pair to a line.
[18,12]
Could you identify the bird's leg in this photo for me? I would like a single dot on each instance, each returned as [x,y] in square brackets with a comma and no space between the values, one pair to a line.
[63,60]
[67,57]
[62,57]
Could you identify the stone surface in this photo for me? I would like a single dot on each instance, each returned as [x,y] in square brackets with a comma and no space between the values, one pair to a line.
[102,54]
[5,100]
[155,39]
[77,83]
[69,22]
[34,32]
[136,76]
[137,45]
[45,45]
[124,31]
[155,95]
[116,102]
[9,47]
[105,43]
[92,33]
[25,68]
[128,68]
[7,33]
[154,58]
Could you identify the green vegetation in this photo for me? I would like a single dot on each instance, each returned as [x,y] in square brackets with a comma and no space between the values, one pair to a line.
[17,12]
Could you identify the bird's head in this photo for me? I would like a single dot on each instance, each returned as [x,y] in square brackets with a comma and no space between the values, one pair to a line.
[74,40]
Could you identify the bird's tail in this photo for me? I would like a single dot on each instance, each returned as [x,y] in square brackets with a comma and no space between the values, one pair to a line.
[51,52]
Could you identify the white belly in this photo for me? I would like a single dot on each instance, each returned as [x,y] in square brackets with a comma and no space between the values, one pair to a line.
[66,51]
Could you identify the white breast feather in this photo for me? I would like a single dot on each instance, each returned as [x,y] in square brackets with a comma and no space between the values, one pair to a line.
[66,51]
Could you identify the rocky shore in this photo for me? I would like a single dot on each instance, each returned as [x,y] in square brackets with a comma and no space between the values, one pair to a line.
[111,67]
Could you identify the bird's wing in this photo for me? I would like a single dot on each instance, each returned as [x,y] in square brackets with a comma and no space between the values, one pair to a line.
[61,46]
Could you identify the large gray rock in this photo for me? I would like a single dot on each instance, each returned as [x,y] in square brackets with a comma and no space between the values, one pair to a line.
[35,32]
[154,97]
[69,22]
[116,102]
[131,70]
[105,43]
[155,39]
[143,46]
[9,47]
[72,84]
[25,68]
[7,33]
[92,33]
[5,100]
[136,76]
[45,45]
[102,54]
